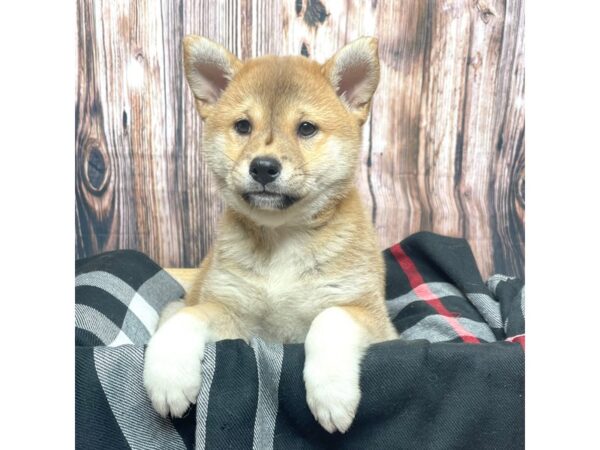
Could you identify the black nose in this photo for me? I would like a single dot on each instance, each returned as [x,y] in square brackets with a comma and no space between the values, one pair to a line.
[265,169]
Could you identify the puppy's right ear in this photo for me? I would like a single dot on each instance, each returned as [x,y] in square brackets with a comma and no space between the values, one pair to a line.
[209,68]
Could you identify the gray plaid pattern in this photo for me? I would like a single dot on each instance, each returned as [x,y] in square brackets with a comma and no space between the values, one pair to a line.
[120,371]
[119,366]
[514,316]
[143,307]
[89,319]
[436,328]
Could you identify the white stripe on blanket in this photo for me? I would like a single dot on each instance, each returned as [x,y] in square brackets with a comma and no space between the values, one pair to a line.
[121,376]
[93,321]
[145,312]
[269,359]
[208,371]
[494,280]
[488,308]
[107,282]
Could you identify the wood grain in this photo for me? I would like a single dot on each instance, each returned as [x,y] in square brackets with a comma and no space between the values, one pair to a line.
[442,151]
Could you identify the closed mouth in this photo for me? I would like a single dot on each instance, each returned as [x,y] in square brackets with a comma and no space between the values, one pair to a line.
[269,200]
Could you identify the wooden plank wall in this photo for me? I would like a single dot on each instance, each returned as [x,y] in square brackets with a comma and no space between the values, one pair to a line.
[443,150]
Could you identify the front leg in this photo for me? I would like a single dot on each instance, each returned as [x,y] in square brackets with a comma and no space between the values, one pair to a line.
[335,345]
[172,366]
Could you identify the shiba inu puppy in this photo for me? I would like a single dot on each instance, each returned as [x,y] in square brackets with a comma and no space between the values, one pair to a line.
[296,258]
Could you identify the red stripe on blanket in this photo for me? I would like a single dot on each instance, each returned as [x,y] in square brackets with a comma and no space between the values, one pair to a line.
[422,290]
[519,339]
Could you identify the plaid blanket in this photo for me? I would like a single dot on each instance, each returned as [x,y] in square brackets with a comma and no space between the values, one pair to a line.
[431,389]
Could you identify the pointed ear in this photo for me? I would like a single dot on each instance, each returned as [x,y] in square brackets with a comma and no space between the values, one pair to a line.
[354,73]
[209,68]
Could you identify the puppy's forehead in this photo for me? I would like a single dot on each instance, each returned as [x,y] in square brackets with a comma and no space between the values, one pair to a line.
[277,81]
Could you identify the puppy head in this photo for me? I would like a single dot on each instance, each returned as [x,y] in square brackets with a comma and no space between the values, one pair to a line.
[282,134]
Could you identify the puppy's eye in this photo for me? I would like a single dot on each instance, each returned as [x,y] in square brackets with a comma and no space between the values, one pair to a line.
[307,129]
[243,126]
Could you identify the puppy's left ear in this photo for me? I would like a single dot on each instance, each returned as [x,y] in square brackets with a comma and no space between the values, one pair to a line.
[354,74]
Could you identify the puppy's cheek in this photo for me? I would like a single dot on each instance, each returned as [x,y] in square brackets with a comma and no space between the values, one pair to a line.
[238,181]
[343,156]
[220,166]
[291,182]
[214,154]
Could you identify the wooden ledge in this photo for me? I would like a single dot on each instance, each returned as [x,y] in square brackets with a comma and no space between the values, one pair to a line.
[185,277]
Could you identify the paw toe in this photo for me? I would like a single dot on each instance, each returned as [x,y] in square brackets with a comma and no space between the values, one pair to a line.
[333,405]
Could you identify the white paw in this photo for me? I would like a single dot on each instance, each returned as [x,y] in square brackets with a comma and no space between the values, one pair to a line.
[172,369]
[334,347]
[332,398]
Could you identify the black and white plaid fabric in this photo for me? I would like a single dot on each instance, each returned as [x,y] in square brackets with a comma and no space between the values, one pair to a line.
[454,380]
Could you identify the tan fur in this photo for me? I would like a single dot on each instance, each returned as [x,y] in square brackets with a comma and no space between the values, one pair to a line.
[272,271]
[289,265]
[277,280]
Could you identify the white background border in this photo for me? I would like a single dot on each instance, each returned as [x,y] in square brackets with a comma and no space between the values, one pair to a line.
[37,100]
[37,247]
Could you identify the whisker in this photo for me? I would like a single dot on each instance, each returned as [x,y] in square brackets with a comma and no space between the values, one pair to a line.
[306,162]
[297,174]
[220,187]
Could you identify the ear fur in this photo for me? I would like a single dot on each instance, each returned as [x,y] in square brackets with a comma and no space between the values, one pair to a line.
[209,68]
[354,74]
